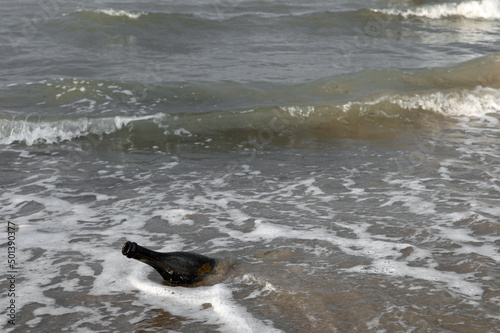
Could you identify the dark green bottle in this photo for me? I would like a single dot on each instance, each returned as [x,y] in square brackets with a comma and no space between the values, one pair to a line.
[174,267]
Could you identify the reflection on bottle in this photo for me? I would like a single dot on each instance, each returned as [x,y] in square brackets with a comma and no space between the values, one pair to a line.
[180,268]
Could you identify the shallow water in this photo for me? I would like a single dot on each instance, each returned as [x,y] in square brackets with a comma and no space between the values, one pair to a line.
[340,159]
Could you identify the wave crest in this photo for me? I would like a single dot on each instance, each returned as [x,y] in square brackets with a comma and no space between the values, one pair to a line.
[369,117]
[54,130]
[112,12]
[485,9]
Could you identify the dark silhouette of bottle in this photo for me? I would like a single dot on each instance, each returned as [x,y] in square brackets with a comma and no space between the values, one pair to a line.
[174,267]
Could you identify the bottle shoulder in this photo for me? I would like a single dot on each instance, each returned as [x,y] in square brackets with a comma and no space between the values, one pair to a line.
[187,258]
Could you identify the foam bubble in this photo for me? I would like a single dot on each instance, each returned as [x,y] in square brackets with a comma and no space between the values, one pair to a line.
[175,216]
[298,111]
[183,132]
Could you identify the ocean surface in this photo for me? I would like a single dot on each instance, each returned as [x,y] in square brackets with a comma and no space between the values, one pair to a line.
[341,159]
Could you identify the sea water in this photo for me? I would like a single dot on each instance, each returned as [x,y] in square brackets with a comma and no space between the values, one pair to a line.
[340,158]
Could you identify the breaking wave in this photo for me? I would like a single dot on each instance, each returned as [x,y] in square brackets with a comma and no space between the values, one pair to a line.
[485,9]
[224,115]
[369,117]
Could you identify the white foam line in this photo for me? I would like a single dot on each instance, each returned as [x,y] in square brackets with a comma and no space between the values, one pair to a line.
[124,121]
[193,302]
[377,250]
[112,12]
[456,281]
[415,204]
[485,9]
[474,103]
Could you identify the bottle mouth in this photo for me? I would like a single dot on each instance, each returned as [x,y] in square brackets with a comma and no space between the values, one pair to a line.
[128,249]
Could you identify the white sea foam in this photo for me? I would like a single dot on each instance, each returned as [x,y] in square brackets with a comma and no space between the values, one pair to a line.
[214,304]
[182,132]
[113,12]
[175,216]
[456,282]
[265,289]
[485,9]
[33,130]
[298,111]
[297,212]
[315,234]
[366,246]
[478,102]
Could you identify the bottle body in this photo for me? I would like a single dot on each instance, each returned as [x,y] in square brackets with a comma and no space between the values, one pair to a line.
[175,267]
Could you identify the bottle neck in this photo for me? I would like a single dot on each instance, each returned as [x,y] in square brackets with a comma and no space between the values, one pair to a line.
[132,250]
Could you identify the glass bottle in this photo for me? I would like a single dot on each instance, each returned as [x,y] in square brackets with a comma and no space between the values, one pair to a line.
[175,267]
